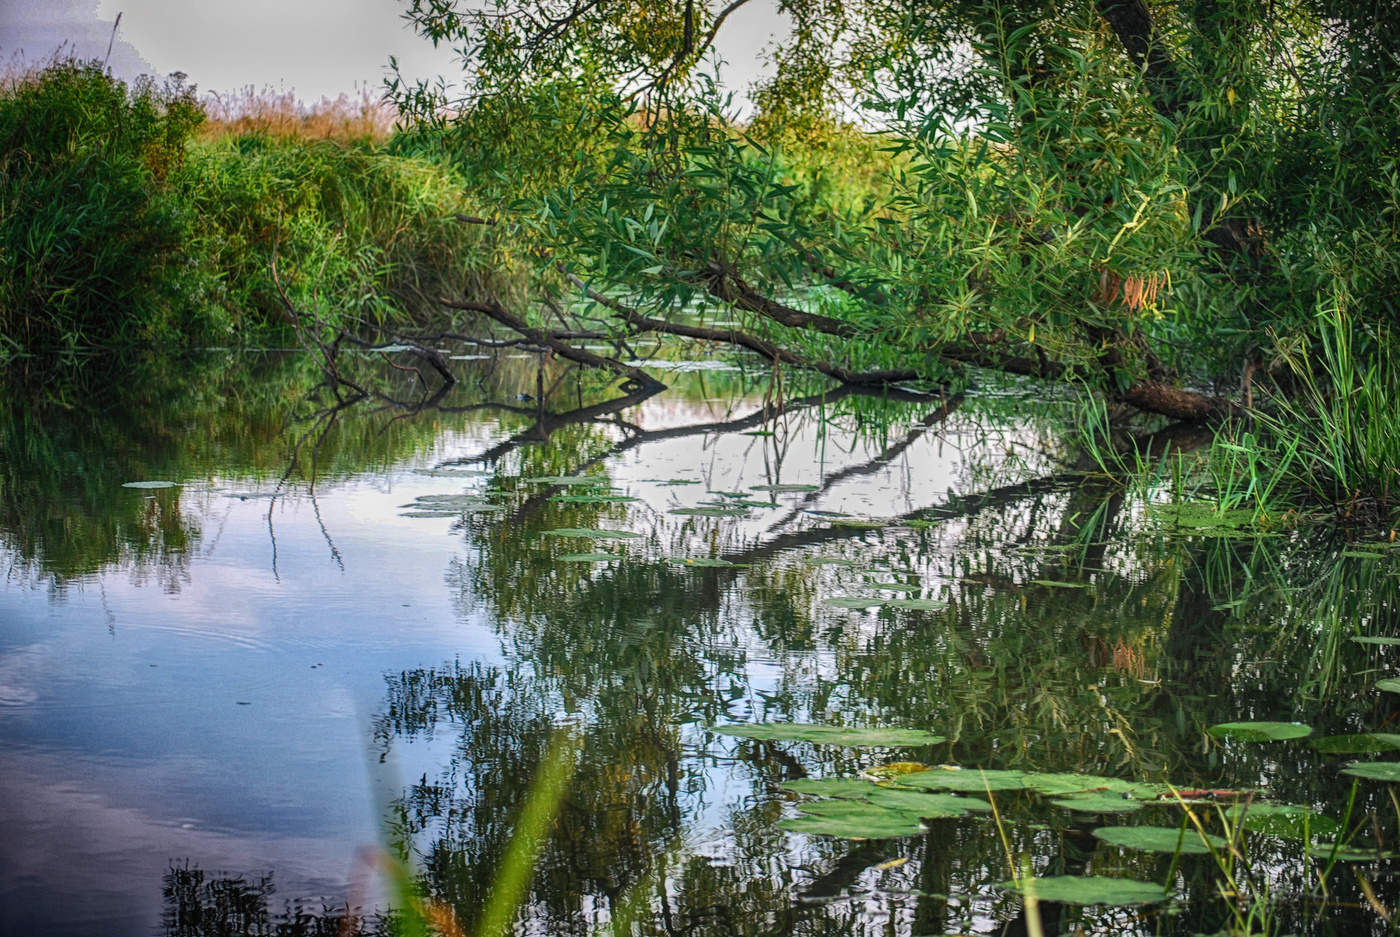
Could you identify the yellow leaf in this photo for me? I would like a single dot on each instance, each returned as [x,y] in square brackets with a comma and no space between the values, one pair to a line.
[1230,96]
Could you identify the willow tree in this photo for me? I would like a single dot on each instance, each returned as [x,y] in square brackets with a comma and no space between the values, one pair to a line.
[1158,202]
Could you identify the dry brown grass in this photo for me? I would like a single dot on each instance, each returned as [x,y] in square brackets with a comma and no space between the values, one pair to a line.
[283,114]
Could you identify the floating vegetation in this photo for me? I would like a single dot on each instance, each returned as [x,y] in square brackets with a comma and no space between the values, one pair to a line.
[1183,840]
[858,524]
[831,735]
[784,489]
[149,485]
[1087,889]
[873,823]
[451,472]
[596,481]
[928,605]
[710,512]
[1099,803]
[1203,519]
[1288,821]
[1260,731]
[1059,584]
[592,499]
[591,534]
[896,586]
[828,787]
[589,557]
[1362,743]
[1375,771]
[440,513]
[952,778]
[705,562]
[925,804]
[1056,784]
[853,602]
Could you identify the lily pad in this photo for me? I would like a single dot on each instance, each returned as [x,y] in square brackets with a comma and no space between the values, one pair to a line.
[1088,889]
[1099,803]
[1360,744]
[965,779]
[441,513]
[588,557]
[594,480]
[859,524]
[831,735]
[1059,584]
[895,586]
[591,534]
[1058,784]
[830,561]
[829,787]
[1375,771]
[705,562]
[926,805]
[855,602]
[1160,839]
[451,472]
[710,512]
[1289,821]
[1260,731]
[1348,854]
[148,485]
[887,827]
[782,489]
[929,605]
[1390,684]
[592,499]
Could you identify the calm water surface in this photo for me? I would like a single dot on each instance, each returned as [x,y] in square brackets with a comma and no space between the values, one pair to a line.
[218,699]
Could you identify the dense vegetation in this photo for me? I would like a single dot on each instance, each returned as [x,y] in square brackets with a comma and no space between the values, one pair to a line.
[1190,210]
[124,220]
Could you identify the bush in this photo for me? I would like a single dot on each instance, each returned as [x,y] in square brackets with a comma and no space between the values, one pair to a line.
[90,225]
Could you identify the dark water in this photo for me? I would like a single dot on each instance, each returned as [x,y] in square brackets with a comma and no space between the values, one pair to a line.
[219,701]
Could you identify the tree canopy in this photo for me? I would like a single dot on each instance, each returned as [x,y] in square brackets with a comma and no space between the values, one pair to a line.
[1164,202]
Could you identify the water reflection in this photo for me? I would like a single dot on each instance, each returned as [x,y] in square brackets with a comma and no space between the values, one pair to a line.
[1019,604]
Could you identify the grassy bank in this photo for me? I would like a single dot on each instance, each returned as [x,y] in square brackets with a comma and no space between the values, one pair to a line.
[128,216]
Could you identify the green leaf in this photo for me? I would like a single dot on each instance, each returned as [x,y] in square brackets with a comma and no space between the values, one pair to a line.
[782,489]
[593,480]
[889,826]
[1389,684]
[1099,803]
[1289,821]
[148,485]
[1260,731]
[1060,584]
[705,562]
[916,604]
[1376,639]
[1186,840]
[1057,784]
[710,512]
[589,557]
[592,499]
[925,804]
[1088,889]
[831,735]
[965,779]
[591,534]
[829,787]
[1375,771]
[855,602]
[1361,743]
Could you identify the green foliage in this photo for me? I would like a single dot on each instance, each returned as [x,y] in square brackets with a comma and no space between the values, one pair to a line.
[91,224]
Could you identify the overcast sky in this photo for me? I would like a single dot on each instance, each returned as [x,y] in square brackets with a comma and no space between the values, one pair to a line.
[315,48]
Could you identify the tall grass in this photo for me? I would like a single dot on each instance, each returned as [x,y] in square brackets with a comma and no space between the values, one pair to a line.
[1333,438]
